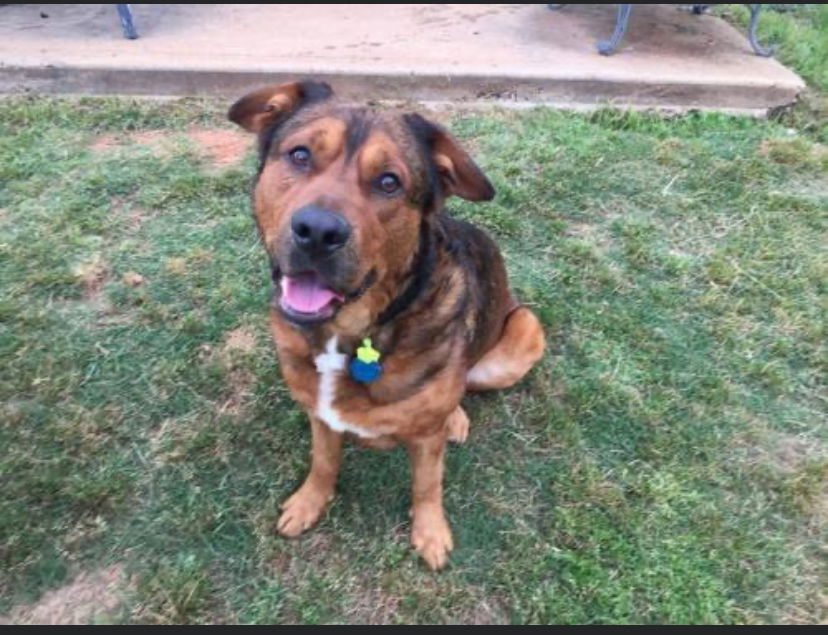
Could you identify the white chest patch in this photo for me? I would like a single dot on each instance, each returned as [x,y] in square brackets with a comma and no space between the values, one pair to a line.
[330,365]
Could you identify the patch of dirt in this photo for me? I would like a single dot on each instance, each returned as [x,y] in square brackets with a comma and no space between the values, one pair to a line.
[132,217]
[166,443]
[133,278]
[223,147]
[785,454]
[241,384]
[136,218]
[789,453]
[373,606]
[176,265]
[89,598]
[105,142]
[792,460]
[92,275]
[238,344]
[150,137]
[316,548]
[593,235]
[368,602]
[160,439]
[240,339]
[489,611]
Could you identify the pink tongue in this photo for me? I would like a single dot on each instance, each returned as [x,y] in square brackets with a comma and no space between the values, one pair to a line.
[306,294]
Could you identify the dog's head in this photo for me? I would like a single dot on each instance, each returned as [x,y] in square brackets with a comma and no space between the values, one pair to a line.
[342,192]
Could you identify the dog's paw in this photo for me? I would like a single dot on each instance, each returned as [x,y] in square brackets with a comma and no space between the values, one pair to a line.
[431,538]
[302,510]
[458,425]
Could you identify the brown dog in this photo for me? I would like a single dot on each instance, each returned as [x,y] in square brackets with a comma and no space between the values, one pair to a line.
[349,205]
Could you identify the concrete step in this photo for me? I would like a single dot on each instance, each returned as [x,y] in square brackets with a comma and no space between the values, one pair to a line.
[503,53]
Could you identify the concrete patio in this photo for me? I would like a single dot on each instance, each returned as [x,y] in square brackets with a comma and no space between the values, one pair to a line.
[501,53]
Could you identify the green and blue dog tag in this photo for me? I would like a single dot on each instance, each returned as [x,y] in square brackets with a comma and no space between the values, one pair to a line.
[365,367]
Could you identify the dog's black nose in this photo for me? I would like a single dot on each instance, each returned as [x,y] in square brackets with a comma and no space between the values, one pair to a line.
[318,231]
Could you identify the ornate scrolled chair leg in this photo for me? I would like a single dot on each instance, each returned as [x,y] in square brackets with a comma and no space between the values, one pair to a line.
[607,47]
[760,50]
[125,15]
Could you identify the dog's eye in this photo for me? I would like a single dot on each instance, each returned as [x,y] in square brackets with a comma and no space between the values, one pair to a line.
[300,157]
[388,183]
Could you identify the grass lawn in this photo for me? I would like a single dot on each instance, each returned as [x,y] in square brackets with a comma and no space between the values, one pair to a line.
[667,462]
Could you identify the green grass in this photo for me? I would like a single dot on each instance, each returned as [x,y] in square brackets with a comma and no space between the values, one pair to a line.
[667,462]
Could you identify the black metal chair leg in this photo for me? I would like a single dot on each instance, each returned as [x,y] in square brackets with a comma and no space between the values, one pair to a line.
[607,47]
[760,50]
[125,15]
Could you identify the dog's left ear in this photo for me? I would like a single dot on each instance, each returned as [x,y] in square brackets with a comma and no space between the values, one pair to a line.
[457,172]
[270,105]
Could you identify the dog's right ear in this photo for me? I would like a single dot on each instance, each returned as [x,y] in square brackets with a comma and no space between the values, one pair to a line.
[271,105]
[458,174]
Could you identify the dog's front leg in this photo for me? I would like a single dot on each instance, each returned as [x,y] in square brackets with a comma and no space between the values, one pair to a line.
[430,532]
[303,509]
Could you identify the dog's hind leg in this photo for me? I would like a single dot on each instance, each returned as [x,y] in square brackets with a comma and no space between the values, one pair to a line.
[518,349]
[457,425]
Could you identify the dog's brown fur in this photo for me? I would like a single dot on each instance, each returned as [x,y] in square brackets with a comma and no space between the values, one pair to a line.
[432,292]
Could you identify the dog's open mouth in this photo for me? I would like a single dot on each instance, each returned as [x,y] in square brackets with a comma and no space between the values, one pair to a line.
[306,298]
